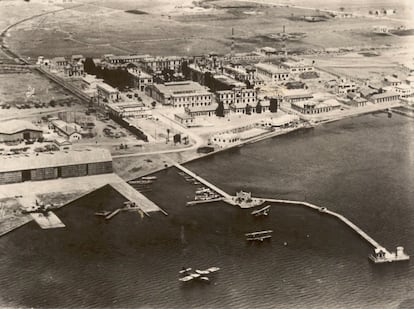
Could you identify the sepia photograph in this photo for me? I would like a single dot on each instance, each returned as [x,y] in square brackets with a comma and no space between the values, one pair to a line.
[207,154]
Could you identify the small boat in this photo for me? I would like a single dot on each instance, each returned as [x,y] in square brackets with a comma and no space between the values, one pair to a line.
[205,279]
[149,178]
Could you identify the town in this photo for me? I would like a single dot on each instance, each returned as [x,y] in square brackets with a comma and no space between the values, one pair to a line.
[71,124]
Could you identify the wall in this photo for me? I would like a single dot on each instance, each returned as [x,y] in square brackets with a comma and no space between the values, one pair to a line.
[10,177]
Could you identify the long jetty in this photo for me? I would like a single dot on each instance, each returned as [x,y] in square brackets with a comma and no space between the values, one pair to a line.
[203,181]
[334,214]
[383,256]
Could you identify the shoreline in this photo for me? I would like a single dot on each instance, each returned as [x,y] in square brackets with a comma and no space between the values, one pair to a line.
[255,140]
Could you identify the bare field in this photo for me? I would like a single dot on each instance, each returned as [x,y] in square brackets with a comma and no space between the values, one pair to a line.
[13,88]
[177,29]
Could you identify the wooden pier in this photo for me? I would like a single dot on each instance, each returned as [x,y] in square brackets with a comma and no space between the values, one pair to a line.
[203,181]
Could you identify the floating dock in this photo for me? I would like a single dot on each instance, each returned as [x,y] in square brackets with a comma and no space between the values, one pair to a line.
[48,220]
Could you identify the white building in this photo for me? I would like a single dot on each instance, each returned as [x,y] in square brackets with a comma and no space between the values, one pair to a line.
[297,67]
[107,92]
[180,94]
[129,110]
[271,72]
[140,78]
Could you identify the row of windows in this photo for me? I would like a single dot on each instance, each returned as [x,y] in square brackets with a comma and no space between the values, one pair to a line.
[193,98]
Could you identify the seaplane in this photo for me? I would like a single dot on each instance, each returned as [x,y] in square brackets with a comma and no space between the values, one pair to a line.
[261,212]
[259,236]
[198,275]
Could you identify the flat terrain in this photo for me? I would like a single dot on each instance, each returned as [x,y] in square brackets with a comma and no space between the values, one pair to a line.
[13,89]
[95,28]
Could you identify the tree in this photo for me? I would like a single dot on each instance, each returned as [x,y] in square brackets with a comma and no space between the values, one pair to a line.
[89,66]
[220,110]
[274,102]
[248,109]
[153,103]
[258,108]
[168,135]
[342,9]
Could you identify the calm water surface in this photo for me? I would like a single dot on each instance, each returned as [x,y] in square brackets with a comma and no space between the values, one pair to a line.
[360,167]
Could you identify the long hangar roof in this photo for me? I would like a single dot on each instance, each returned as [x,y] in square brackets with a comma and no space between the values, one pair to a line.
[15,126]
[53,159]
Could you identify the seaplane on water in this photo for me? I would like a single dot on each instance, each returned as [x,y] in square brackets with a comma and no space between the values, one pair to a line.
[197,275]
[259,236]
[261,212]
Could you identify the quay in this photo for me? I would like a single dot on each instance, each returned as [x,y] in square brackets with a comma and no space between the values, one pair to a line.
[203,181]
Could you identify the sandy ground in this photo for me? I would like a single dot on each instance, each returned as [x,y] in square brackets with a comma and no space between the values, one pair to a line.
[13,88]
[175,28]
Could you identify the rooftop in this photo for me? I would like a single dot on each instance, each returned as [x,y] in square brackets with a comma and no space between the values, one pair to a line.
[271,68]
[384,95]
[180,88]
[53,159]
[106,87]
[15,126]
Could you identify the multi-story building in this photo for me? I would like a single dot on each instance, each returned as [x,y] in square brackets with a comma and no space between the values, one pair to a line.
[345,86]
[387,96]
[107,92]
[237,95]
[316,107]
[124,59]
[271,72]
[180,94]
[296,67]
[129,110]
[160,63]
[140,79]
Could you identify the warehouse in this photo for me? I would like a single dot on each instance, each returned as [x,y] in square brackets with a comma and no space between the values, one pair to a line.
[18,130]
[43,166]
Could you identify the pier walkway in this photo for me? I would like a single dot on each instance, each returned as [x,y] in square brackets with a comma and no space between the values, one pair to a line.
[203,181]
[338,216]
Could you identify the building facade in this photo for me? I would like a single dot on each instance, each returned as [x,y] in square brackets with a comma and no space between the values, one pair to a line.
[180,94]
[272,72]
[19,130]
[44,166]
